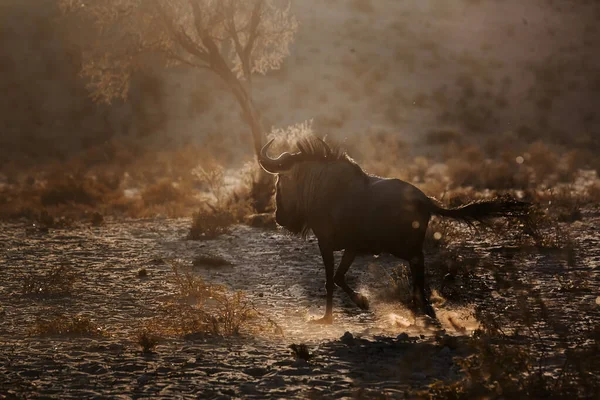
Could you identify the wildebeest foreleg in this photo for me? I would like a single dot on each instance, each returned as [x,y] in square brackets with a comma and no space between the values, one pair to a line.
[340,280]
[417,270]
[328,260]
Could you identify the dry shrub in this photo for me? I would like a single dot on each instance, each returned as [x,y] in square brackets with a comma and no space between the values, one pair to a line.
[230,204]
[215,218]
[161,193]
[542,160]
[563,203]
[593,192]
[201,307]
[514,358]
[210,224]
[56,281]
[471,168]
[300,351]
[45,220]
[69,191]
[60,324]
[464,170]
[548,233]
[97,179]
[147,340]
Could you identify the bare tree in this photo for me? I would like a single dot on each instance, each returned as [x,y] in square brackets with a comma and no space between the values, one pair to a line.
[232,38]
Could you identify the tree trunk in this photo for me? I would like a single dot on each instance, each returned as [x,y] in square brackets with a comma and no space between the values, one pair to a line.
[251,115]
[263,186]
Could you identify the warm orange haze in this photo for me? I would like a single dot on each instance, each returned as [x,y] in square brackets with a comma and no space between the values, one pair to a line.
[299,199]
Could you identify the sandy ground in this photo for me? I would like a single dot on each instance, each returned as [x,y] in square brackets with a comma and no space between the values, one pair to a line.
[284,278]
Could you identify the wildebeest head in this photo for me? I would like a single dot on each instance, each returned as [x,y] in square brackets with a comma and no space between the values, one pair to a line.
[305,179]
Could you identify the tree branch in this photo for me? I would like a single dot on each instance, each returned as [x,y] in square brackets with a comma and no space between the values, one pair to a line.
[253,31]
[180,37]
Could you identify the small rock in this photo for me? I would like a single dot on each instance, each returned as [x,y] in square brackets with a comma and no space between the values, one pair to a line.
[403,337]
[347,338]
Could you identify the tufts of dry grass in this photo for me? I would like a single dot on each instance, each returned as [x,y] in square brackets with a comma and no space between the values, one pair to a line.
[147,341]
[210,225]
[512,358]
[200,307]
[162,193]
[56,281]
[76,325]
[116,178]
[230,205]
[300,351]
[69,191]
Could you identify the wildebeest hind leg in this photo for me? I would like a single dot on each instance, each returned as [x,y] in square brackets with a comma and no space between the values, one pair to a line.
[417,270]
[340,280]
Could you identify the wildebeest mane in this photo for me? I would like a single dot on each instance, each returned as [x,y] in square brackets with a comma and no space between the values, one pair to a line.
[323,174]
[315,149]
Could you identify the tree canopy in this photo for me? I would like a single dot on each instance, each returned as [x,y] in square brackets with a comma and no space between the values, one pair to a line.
[233,38]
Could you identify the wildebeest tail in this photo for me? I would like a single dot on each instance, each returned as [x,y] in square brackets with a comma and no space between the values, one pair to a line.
[485,209]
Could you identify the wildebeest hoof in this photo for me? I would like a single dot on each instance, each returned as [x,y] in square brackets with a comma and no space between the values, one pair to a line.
[361,301]
[326,320]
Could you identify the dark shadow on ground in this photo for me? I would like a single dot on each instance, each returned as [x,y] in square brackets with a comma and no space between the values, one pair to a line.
[391,366]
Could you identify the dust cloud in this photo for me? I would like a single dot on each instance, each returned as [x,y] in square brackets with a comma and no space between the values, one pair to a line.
[357,68]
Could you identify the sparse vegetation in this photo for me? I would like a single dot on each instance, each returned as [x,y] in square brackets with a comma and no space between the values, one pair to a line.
[55,281]
[67,325]
[300,351]
[210,225]
[200,307]
[512,356]
[147,341]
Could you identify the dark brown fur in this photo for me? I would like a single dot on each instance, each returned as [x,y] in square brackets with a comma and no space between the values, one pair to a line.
[347,209]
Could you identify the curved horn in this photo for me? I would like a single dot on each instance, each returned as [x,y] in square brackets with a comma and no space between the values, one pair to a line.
[275,165]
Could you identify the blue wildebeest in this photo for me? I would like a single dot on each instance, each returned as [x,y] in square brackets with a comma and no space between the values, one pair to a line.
[321,189]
